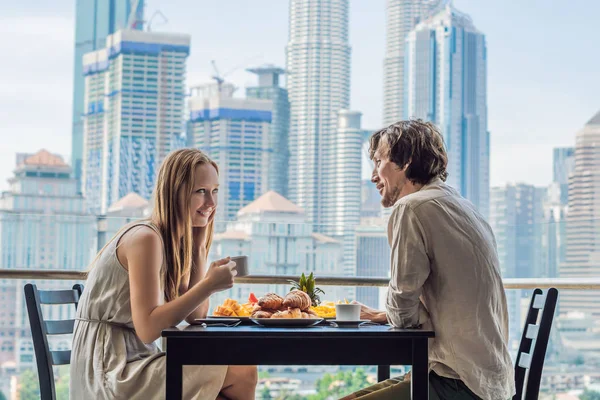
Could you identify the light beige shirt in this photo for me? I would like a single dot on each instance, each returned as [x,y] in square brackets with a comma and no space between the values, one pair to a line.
[445,276]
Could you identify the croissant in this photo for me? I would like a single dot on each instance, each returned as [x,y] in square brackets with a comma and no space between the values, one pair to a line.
[297,299]
[271,301]
[261,314]
[290,313]
[312,313]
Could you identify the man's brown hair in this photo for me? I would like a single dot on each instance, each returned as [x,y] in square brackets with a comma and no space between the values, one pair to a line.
[416,143]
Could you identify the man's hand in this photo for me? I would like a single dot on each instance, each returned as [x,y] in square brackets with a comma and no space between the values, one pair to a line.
[371,314]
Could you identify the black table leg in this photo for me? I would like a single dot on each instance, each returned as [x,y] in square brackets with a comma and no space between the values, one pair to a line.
[420,370]
[174,384]
[383,373]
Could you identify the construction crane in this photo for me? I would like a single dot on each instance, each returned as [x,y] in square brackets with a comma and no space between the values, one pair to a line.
[217,77]
[220,79]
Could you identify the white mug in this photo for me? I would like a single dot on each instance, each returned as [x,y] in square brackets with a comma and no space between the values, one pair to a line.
[347,312]
[241,265]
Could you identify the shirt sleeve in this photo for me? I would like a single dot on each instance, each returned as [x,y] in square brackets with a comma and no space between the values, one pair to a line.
[410,267]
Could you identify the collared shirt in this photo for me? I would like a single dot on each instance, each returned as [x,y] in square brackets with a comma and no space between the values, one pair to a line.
[445,276]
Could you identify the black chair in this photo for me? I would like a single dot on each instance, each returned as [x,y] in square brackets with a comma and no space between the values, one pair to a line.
[40,329]
[534,342]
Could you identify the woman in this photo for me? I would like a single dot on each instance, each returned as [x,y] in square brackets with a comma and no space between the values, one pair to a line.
[151,276]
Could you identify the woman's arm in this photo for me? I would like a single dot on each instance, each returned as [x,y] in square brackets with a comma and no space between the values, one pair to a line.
[196,275]
[143,253]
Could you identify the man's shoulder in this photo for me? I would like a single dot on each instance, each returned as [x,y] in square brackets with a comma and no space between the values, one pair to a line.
[427,196]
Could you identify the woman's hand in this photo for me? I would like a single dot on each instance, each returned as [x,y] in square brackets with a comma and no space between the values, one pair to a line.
[220,274]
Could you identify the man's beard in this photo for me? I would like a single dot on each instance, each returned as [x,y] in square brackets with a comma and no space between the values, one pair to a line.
[390,197]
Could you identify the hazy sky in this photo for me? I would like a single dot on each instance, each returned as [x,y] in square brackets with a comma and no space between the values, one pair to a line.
[543,63]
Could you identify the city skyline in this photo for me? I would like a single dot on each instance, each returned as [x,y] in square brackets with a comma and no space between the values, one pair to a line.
[521,94]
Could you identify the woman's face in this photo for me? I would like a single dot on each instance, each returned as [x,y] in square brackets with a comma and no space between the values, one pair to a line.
[203,204]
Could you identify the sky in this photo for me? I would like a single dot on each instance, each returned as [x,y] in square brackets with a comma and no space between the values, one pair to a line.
[543,80]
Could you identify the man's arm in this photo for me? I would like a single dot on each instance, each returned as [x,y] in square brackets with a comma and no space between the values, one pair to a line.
[410,267]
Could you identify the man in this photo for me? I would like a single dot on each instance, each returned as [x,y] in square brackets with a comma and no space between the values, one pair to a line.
[444,271]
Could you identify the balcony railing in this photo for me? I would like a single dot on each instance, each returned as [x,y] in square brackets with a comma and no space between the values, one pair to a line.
[509,283]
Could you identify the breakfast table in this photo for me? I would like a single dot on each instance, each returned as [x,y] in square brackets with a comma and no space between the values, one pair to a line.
[323,344]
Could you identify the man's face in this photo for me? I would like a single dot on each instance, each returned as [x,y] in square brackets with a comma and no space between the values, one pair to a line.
[389,178]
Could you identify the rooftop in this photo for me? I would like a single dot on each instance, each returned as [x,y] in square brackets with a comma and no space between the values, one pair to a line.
[128,202]
[44,158]
[271,202]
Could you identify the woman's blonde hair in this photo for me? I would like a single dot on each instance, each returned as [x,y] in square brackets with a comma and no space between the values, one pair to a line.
[172,194]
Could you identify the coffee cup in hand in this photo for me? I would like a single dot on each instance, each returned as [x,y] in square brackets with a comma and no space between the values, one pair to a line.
[241,265]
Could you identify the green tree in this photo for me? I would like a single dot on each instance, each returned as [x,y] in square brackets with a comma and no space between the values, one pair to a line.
[579,360]
[61,384]
[265,394]
[329,385]
[263,374]
[29,386]
[590,395]
[2,396]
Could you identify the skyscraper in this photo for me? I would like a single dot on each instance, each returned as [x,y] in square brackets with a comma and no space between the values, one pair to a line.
[582,259]
[235,133]
[134,102]
[44,224]
[268,88]
[563,159]
[516,215]
[401,17]
[318,81]
[445,78]
[345,180]
[94,21]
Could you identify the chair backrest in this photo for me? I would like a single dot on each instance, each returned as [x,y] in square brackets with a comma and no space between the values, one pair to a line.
[40,329]
[534,343]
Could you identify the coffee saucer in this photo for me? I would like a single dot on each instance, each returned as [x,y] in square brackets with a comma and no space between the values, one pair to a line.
[349,324]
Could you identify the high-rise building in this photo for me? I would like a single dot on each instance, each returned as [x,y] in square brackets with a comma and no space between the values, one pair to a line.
[44,224]
[401,17]
[372,258]
[318,81]
[345,180]
[554,231]
[268,88]
[563,159]
[94,21]
[516,216]
[235,133]
[134,103]
[273,232]
[582,259]
[445,82]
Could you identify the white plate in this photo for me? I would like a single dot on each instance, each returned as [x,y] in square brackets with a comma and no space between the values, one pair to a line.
[286,322]
[220,320]
[349,324]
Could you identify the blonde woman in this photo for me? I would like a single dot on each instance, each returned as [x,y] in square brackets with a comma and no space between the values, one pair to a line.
[152,275]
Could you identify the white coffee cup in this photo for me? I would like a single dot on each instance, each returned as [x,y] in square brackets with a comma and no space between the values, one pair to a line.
[241,265]
[347,312]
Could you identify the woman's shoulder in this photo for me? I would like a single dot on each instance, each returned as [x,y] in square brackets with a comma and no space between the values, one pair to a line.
[141,235]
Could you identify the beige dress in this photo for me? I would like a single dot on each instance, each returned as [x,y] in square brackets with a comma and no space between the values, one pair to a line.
[108,359]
